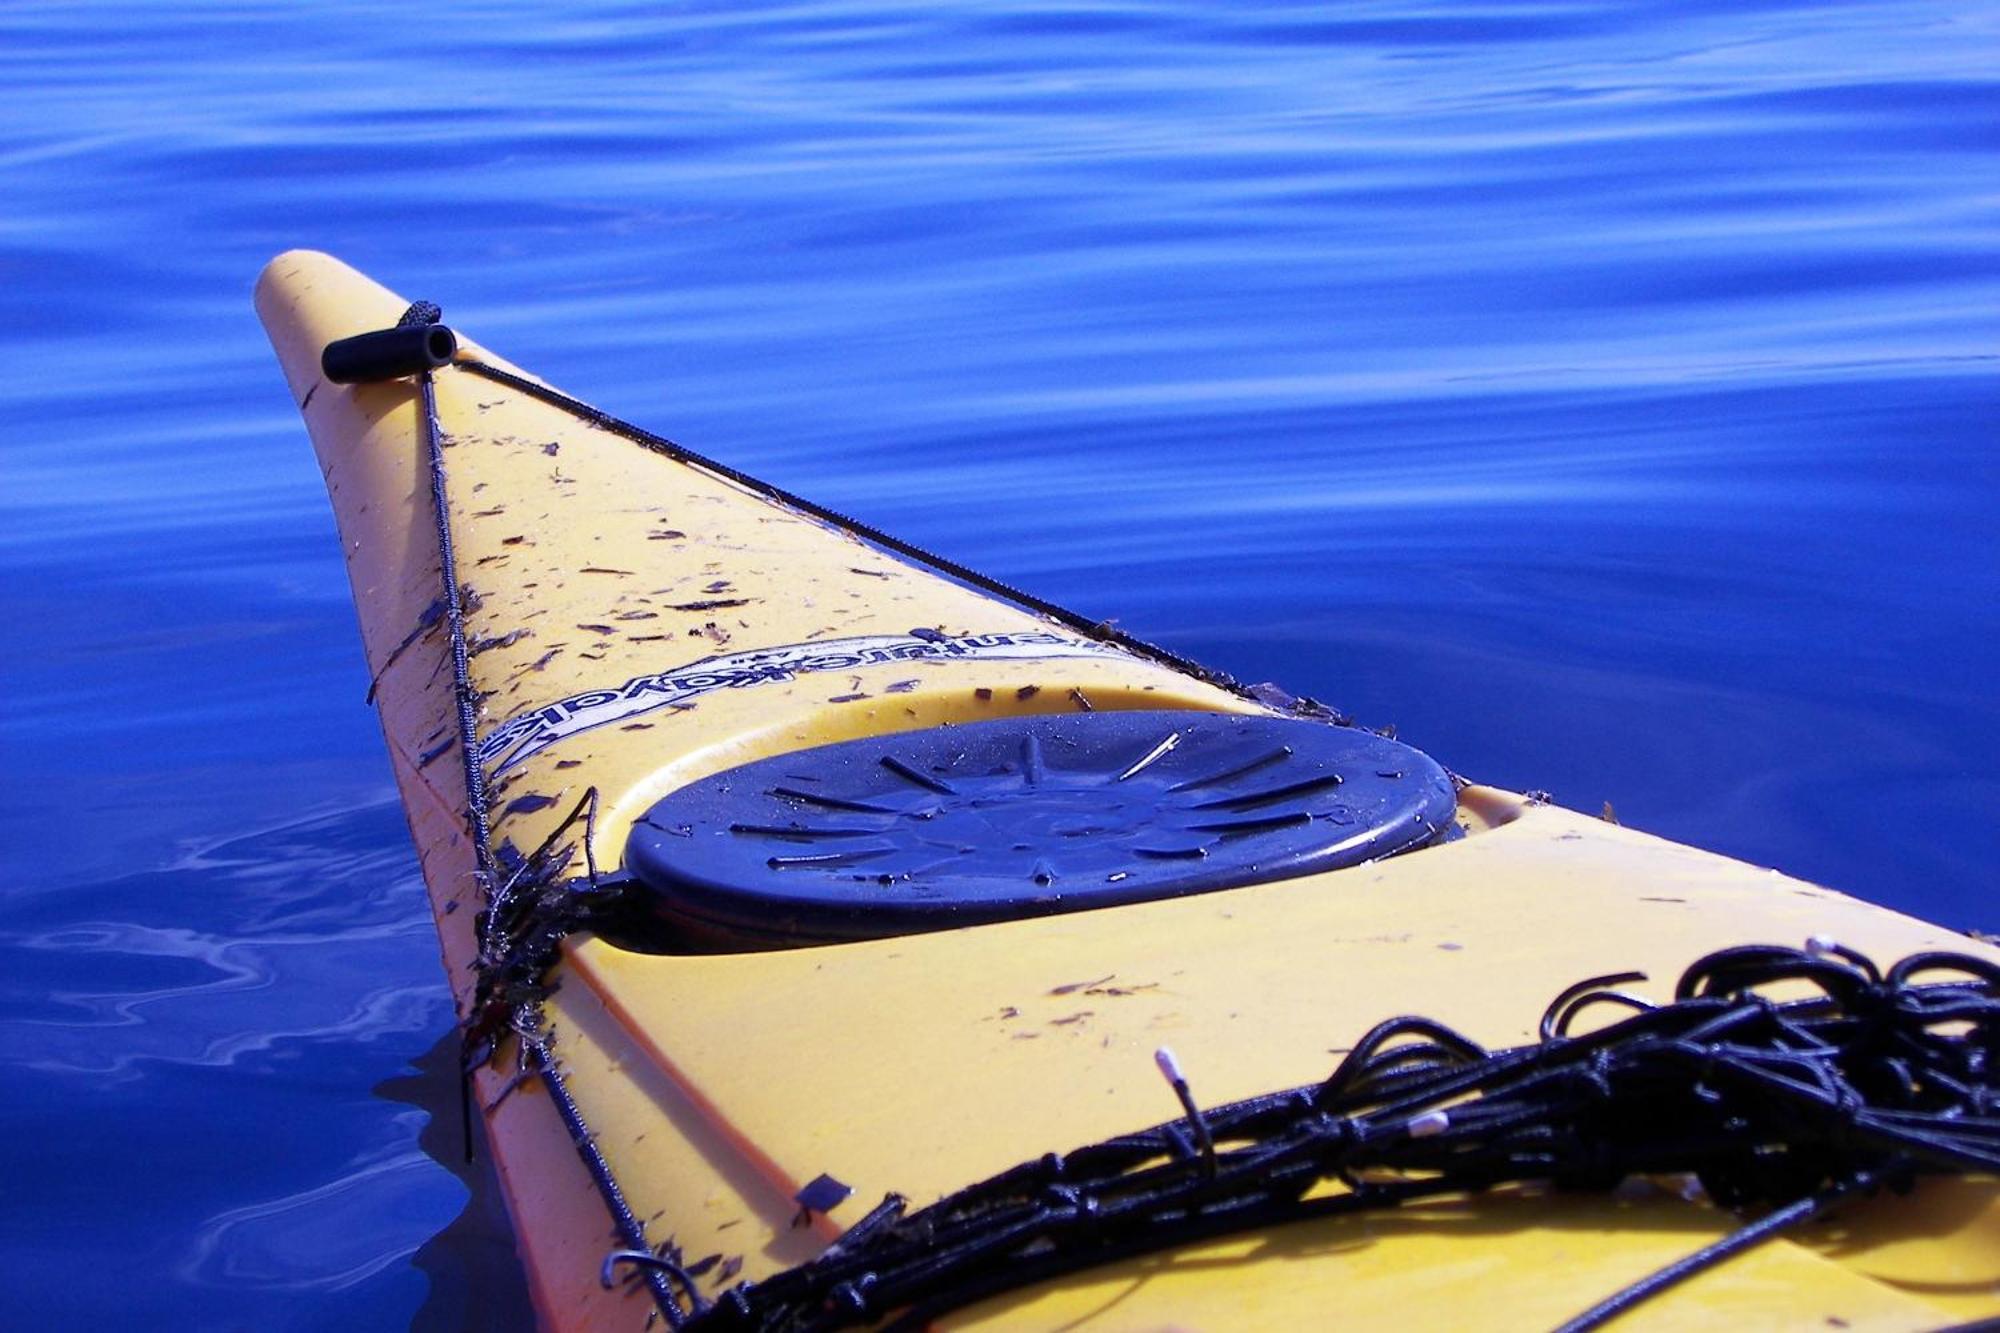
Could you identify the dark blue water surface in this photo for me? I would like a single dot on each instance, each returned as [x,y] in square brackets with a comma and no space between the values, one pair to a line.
[1604,394]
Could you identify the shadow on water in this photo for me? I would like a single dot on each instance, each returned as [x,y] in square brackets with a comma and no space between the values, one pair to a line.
[190,1048]
[475,1274]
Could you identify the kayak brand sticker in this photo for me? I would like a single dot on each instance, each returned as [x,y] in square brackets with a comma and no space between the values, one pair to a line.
[521,736]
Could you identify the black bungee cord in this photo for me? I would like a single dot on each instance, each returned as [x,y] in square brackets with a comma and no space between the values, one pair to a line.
[1794,1106]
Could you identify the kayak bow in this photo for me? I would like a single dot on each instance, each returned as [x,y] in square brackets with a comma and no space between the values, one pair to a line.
[778,867]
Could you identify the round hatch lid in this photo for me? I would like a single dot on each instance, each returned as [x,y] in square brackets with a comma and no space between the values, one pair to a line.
[959,825]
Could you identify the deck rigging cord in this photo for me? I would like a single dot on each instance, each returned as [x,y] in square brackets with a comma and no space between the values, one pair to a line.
[1868,1081]
[500,956]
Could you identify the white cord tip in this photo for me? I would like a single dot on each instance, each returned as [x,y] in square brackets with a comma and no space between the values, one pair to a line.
[1428,1124]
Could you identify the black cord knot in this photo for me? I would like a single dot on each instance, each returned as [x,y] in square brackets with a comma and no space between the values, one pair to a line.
[852,1296]
[733,1309]
[1594,1079]
[1078,1210]
[1061,1196]
[1337,1135]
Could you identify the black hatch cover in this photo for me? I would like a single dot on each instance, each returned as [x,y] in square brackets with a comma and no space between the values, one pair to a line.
[959,825]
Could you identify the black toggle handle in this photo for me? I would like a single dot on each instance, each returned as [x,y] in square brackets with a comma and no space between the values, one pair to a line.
[388,354]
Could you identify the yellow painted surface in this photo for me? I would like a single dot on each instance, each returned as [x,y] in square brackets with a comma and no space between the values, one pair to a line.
[719,1084]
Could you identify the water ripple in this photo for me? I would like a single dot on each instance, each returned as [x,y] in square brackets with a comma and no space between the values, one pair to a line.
[323,1239]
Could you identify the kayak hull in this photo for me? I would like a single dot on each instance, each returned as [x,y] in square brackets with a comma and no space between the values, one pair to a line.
[638,623]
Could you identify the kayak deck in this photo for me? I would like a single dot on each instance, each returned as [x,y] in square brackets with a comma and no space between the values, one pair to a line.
[717,1085]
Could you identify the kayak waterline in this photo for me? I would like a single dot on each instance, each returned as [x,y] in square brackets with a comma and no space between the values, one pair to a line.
[777,871]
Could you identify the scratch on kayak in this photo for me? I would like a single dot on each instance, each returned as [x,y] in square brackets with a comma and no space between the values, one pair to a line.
[429,619]
[508,639]
[713,605]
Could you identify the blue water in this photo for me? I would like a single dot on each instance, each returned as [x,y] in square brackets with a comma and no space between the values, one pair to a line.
[1606,395]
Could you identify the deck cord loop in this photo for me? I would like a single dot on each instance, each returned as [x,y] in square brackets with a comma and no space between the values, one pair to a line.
[607,1276]
[515,946]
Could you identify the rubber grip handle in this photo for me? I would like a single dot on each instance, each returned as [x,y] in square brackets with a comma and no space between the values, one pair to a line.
[388,354]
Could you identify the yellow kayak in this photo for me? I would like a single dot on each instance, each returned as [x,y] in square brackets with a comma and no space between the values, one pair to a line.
[780,868]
